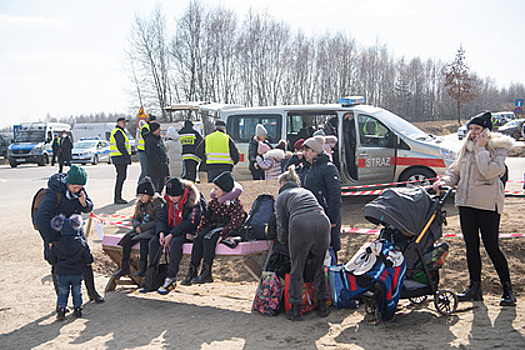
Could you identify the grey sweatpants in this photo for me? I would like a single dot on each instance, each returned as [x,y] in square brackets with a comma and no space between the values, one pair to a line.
[308,233]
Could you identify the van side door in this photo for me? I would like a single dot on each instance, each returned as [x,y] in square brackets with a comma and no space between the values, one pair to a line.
[376,151]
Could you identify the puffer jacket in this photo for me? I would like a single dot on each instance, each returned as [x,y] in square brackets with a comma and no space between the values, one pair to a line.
[150,208]
[174,150]
[157,165]
[68,206]
[477,173]
[271,163]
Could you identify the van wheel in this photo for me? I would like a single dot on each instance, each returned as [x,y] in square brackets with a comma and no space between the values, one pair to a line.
[95,159]
[418,177]
[13,164]
[44,161]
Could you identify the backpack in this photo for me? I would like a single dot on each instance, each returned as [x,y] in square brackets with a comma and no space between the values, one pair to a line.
[37,200]
[259,216]
[505,177]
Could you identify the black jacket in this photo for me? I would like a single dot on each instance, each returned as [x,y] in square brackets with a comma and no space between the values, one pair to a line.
[191,213]
[68,206]
[70,253]
[125,158]
[253,151]
[156,156]
[322,178]
[190,139]
[66,146]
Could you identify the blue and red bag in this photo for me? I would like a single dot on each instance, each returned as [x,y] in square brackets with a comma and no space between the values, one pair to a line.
[342,292]
[269,295]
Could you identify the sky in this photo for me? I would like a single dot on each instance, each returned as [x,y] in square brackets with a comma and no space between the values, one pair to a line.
[63,57]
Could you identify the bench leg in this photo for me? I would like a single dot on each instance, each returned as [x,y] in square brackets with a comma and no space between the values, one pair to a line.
[112,284]
[252,267]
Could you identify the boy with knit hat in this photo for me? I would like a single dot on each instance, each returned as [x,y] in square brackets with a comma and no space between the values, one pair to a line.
[219,220]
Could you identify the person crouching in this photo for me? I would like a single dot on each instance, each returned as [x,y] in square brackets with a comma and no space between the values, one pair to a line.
[143,222]
[69,254]
[219,220]
[302,223]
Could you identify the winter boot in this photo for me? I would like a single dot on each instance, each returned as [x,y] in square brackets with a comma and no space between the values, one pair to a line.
[141,272]
[508,298]
[124,269]
[89,279]
[473,293]
[294,314]
[61,314]
[322,309]
[78,312]
[205,276]
[192,273]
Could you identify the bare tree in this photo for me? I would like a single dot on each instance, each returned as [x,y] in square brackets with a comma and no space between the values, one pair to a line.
[458,82]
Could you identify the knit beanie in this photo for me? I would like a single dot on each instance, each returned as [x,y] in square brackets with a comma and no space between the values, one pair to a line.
[298,144]
[281,145]
[146,186]
[263,148]
[319,132]
[316,143]
[174,187]
[188,124]
[260,130]
[76,175]
[225,181]
[172,133]
[220,123]
[483,119]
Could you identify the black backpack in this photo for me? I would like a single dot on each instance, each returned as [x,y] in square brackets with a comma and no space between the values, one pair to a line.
[505,177]
[258,218]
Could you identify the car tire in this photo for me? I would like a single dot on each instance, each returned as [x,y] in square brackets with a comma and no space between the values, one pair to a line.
[420,175]
[95,159]
[44,161]
[13,164]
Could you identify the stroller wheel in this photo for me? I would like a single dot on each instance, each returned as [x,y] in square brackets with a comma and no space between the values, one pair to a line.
[418,300]
[446,302]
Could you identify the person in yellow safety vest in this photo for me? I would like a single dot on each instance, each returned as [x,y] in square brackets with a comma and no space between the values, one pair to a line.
[190,139]
[371,127]
[120,153]
[141,147]
[219,150]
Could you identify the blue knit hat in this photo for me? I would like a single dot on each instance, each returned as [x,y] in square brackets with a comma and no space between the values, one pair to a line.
[76,175]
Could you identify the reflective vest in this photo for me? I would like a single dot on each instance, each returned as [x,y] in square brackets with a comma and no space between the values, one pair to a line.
[375,126]
[189,140]
[141,146]
[218,148]
[113,149]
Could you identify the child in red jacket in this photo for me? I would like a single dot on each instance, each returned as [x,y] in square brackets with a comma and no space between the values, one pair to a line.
[219,220]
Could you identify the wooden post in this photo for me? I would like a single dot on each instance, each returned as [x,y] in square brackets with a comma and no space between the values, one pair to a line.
[88,228]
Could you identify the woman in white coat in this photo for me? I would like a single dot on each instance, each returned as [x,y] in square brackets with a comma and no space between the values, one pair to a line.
[174,149]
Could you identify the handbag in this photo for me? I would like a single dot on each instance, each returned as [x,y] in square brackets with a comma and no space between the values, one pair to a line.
[155,275]
[308,301]
[268,297]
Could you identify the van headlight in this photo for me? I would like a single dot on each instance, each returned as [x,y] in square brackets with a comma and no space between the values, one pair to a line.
[448,153]
[36,150]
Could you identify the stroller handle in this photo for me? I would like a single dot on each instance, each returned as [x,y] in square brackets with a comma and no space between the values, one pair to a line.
[448,191]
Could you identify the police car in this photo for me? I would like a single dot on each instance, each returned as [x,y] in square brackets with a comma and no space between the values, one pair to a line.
[90,151]
[374,145]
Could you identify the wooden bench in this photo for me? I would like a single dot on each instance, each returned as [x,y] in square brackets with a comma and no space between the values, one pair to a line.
[245,249]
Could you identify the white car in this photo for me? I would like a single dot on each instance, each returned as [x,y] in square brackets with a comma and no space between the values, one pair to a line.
[90,151]
[462,131]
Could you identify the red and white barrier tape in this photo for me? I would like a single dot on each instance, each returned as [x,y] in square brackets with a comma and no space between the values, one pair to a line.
[386,184]
[124,224]
[126,217]
[347,229]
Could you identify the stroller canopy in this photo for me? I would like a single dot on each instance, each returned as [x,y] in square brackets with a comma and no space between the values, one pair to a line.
[406,208]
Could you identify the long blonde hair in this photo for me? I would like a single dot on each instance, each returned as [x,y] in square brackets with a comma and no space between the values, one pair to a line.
[468,145]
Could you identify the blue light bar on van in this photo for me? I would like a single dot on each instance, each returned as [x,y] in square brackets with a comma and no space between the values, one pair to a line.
[351,100]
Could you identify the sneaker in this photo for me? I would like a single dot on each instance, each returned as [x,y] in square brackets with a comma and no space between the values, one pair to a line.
[169,285]
[77,312]
[61,314]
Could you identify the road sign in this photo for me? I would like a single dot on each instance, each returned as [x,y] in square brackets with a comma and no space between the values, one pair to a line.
[518,110]
[519,102]
[142,118]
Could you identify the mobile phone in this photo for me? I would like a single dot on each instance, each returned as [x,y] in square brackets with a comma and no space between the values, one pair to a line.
[486,131]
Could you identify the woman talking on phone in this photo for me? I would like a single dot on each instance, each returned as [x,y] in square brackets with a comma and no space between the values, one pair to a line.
[480,196]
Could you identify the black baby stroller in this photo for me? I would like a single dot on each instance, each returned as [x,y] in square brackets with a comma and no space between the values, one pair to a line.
[412,220]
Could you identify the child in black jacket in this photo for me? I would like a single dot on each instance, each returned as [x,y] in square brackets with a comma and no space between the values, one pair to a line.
[69,254]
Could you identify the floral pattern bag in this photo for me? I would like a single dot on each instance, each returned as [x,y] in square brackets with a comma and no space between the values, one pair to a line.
[269,294]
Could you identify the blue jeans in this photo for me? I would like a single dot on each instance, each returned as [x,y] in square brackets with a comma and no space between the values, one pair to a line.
[65,283]
[143,160]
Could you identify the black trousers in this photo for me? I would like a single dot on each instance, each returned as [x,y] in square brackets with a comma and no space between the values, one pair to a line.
[175,253]
[158,183]
[127,243]
[122,173]
[190,169]
[257,174]
[204,245]
[476,221]
[61,163]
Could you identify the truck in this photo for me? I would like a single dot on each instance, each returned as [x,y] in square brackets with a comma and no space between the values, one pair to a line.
[102,131]
[32,142]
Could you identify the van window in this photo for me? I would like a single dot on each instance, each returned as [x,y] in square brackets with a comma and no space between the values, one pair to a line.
[373,133]
[242,127]
[303,124]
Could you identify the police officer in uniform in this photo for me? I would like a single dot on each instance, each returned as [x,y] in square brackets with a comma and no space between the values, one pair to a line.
[219,150]
[190,139]
[120,153]
[141,148]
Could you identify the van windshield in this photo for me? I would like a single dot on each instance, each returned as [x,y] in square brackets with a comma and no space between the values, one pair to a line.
[85,144]
[402,126]
[31,136]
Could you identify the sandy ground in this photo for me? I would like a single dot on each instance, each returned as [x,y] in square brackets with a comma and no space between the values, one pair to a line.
[217,316]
